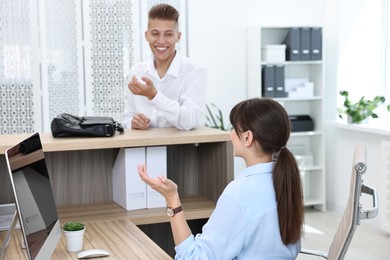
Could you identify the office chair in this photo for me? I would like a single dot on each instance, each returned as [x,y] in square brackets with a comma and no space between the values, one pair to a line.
[353,212]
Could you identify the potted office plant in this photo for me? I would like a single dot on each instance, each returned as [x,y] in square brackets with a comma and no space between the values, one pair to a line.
[74,235]
[360,111]
[214,117]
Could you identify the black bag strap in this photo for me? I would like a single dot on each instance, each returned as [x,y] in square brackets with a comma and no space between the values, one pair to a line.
[71,119]
[118,126]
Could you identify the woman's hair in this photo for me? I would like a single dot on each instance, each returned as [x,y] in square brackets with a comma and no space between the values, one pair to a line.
[164,12]
[270,125]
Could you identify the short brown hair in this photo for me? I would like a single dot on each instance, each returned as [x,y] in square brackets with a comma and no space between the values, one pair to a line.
[164,12]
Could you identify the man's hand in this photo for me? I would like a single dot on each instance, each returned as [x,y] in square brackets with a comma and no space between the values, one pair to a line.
[140,121]
[137,88]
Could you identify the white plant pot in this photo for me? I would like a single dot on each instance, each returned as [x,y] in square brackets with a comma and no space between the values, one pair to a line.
[349,120]
[74,240]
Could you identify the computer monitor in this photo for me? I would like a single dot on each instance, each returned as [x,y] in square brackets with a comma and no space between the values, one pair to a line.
[34,197]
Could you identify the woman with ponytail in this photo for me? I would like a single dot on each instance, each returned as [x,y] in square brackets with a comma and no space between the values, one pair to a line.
[260,214]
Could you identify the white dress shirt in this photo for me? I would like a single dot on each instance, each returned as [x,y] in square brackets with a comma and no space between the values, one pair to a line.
[244,224]
[180,98]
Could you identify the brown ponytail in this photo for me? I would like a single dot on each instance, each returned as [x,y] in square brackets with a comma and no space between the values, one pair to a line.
[289,197]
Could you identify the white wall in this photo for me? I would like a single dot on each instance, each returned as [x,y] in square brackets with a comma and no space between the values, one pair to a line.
[361,48]
[341,142]
[339,168]
[217,38]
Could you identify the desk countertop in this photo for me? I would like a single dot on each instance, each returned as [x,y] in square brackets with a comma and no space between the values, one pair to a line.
[130,138]
[122,238]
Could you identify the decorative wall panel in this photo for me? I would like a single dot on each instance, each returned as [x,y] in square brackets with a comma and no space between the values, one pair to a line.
[16,88]
[112,54]
[61,56]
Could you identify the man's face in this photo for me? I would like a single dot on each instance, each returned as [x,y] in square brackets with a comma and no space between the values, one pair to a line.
[162,36]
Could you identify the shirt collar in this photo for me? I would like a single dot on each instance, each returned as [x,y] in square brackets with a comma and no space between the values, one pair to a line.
[174,68]
[260,168]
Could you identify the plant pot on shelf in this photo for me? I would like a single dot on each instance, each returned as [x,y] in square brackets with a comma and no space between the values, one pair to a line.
[362,110]
[351,120]
[74,236]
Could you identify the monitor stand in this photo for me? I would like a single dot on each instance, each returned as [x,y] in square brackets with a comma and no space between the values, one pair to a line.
[9,235]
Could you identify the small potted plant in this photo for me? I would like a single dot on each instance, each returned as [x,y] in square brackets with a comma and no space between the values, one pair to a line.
[360,111]
[74,235]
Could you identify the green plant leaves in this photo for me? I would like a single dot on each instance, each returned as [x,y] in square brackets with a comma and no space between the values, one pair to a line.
[362,109]
[214,117]
[73,226]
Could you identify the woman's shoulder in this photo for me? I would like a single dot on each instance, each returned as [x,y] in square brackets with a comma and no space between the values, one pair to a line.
[254,194]
[257,183]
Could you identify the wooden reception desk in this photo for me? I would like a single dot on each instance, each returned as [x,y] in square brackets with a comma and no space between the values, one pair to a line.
[200,161]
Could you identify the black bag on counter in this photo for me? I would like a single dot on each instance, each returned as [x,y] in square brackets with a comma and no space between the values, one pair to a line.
[67,125]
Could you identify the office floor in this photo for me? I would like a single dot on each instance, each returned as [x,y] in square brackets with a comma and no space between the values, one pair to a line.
[368,241]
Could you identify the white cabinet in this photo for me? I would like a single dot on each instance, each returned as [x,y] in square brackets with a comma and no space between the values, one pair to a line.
[310,143]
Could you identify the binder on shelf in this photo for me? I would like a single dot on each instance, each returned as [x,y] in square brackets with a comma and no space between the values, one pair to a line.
[156,161]
[305,43]
[316,43]
[279,87]
[292,42]
[129,191]
[268,81]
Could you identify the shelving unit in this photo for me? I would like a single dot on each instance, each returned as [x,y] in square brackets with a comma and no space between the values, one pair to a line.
[197,207]
[313,176]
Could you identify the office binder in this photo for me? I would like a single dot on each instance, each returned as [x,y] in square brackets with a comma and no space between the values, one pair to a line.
[305,43]
[156,161]
[279,90]
[292,42]
[268,81]
[129,191]
[316,43]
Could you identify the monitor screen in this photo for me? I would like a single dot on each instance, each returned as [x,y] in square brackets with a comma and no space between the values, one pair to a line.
[34,197]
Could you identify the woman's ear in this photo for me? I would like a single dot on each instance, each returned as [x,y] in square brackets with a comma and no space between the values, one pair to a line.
[248,138]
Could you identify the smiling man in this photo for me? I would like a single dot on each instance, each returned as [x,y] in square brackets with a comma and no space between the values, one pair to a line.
[169,89]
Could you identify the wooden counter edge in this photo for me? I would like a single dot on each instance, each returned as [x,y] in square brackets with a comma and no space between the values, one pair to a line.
[130,138]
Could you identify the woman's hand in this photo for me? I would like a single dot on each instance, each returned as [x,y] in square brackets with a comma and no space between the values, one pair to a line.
[168,189]
[162,185]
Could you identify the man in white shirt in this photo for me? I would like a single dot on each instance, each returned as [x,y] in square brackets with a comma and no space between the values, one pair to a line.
[168,90]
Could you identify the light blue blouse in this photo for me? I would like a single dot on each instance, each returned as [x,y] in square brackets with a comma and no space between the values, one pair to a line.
[244,224]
